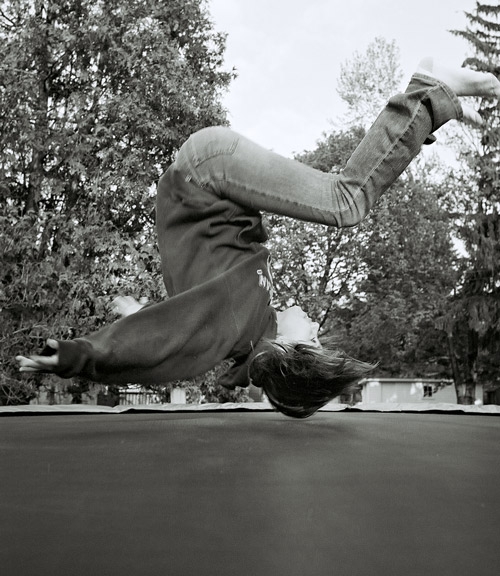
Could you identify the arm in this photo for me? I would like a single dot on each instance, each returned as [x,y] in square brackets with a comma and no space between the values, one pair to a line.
[48,359]
[173,340]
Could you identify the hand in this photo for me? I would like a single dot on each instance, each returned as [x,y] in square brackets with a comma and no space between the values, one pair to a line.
[40,363]
[126,305]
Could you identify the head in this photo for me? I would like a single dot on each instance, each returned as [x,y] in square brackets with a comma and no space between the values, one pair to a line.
[298,374]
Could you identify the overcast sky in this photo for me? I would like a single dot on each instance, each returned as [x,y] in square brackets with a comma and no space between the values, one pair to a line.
[288,55]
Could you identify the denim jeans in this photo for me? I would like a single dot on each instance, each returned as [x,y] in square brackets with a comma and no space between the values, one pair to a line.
[233,167]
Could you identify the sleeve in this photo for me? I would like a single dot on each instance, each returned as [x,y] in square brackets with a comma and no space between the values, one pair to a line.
[238,374]
[176,339]
[235,376]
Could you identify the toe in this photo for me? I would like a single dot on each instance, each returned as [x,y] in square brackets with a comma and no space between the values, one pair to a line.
[471,116]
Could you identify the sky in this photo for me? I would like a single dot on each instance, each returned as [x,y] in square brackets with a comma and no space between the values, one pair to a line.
[288,55]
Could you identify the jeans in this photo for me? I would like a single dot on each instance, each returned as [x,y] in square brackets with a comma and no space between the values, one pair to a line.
[233,167]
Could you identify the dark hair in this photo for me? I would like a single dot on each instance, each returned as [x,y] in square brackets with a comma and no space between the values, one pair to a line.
[298,379]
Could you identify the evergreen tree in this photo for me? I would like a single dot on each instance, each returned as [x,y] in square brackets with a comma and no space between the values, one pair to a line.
[472,321]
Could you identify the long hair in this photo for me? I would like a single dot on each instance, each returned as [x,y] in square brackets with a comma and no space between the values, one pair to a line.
[298,379]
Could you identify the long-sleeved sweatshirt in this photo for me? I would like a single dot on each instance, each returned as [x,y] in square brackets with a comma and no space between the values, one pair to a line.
[215,269]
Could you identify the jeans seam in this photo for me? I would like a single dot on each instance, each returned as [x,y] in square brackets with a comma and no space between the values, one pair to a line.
[184,162]
[328,212]
[220,151]
[223,151]
[394,144]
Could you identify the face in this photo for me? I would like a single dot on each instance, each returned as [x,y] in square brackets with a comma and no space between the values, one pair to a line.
[294,325]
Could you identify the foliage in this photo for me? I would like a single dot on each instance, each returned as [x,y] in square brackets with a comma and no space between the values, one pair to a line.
[368,80]
[95,99]
[472,321]
[401,293]
[314,264]
[409,262]
[379,287]
[205,388]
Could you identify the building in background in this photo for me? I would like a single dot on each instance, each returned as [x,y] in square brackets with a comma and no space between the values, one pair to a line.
[410,390]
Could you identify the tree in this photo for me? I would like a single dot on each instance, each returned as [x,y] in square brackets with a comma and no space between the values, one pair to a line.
[408,260]
[95,99]
[377,288]
[314,264]
[368,80]
[472,321]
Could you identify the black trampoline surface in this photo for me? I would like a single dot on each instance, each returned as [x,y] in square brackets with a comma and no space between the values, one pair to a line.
[250,493]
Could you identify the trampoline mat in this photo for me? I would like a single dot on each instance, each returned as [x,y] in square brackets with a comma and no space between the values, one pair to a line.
[250,493]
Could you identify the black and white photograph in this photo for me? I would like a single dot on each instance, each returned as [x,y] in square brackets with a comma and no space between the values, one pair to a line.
[249,287]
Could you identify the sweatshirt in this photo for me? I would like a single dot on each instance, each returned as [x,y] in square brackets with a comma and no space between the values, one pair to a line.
[215,269]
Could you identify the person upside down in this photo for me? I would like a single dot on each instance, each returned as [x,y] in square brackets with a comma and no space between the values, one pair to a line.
[216,268]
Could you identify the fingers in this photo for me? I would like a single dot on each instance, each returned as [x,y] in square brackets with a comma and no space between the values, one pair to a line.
[29,369]
[37,363]
[121,303]
[123,300]
[125,305]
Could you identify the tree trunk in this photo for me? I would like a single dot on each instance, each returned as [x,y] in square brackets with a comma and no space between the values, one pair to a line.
[471,363]
[41,56]
[465,371]
[457,374]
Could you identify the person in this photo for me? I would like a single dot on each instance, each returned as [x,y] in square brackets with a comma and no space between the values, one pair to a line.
[216,268]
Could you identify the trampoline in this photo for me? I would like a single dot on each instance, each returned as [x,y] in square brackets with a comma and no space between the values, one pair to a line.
[242,490]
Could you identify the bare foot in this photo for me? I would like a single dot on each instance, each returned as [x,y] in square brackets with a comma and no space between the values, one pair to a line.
[463,81]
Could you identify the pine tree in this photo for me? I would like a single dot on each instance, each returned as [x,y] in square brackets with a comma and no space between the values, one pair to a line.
[473,319]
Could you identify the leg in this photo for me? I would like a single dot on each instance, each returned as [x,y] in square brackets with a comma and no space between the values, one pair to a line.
[232,166]
[463,82]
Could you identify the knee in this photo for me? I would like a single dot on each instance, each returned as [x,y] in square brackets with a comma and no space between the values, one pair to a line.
[353,205]
[352,217]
